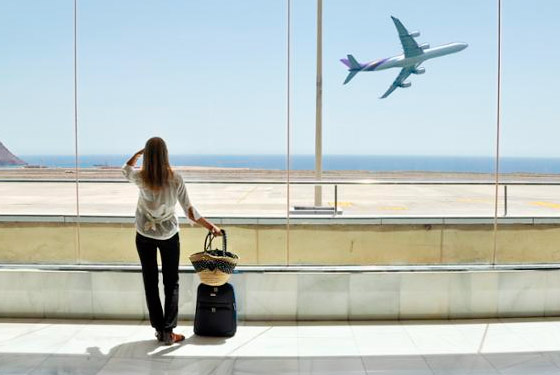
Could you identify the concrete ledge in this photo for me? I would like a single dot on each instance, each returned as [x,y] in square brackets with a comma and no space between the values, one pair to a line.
[293,295]
[306,243]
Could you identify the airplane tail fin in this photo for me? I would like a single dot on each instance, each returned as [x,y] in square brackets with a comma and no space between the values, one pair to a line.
[351,62]
[353,66]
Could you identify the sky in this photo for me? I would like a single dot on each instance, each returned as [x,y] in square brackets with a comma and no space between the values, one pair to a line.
[210,77]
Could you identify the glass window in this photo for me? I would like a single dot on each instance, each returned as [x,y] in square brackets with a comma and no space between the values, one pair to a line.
[37,133]
[411,168]
[210,79]
[529,162]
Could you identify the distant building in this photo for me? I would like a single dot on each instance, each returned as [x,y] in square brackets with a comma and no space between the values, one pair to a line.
[7,158]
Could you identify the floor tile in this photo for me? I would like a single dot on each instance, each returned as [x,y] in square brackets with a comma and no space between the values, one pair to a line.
[396,364]
[540,335]
[324,329]
[100,339]
[45,340]
[269,347]
[195,366]
[269,366]
[71,365]
[327,347]
[16,364]
[11,330]
[375,340]
[519,363]
[129,366]
[332,366]
[538,365]
[436,339]
[473,364]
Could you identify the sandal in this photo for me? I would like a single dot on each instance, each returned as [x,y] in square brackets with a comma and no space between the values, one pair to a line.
[171,338]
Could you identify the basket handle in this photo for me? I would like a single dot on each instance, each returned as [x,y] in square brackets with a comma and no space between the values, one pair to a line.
[208,241]
[210,237]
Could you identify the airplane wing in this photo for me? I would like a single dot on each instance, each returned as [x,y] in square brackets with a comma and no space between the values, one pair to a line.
[405,72]
[410,47]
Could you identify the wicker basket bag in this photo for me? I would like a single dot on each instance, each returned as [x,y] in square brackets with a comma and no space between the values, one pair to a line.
[214,267]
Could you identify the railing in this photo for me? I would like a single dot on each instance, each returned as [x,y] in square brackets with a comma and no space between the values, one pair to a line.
[334,183]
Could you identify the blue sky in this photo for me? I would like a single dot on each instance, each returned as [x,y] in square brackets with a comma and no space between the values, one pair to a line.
[210,77]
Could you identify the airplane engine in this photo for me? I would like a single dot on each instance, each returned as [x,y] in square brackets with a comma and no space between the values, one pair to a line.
[424,45]
[414,34]
[419,71]
[405,84]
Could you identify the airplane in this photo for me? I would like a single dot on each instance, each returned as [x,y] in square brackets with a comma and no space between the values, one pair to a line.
[409,62]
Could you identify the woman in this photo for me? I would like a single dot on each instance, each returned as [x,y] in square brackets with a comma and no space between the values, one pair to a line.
[157,227]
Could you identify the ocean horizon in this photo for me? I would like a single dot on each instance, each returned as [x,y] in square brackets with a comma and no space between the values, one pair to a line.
[372,163]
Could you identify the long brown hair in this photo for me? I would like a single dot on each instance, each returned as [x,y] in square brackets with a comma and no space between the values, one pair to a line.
[156,171]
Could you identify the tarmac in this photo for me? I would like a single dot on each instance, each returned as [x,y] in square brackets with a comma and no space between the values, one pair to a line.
[267,199]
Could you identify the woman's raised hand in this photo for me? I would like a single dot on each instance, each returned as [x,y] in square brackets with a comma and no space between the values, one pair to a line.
[134,158]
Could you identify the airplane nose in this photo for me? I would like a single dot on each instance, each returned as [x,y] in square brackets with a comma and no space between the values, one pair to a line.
[462,46]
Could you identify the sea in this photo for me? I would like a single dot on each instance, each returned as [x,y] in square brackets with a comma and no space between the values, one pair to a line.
[373,163]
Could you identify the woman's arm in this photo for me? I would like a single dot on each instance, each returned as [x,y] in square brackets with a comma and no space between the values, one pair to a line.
[211,227]
[192,213]
[128,169]
[132,161]
[206,224]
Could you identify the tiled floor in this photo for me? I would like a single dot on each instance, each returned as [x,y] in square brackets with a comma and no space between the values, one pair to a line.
[524,347]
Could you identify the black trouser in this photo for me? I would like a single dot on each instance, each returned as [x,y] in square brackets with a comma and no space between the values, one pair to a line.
[169,252]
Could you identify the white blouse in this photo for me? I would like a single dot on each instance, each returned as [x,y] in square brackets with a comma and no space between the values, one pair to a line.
[155,212]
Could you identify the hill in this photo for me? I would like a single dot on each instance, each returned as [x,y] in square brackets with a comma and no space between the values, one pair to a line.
[7,158]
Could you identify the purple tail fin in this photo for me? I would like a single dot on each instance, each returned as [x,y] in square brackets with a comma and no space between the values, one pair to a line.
[346,62]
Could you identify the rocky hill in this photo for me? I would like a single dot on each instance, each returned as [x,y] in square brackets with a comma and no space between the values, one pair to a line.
[7,158]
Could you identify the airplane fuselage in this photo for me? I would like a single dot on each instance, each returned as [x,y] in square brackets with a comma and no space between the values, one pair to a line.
[401,61]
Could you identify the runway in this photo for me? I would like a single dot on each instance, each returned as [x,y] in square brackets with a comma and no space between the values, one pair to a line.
[230,199]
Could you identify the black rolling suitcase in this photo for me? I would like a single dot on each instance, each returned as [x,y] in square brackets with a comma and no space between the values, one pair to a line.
[216,313]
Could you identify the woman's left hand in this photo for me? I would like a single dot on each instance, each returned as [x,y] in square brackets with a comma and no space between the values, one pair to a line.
[215,230]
